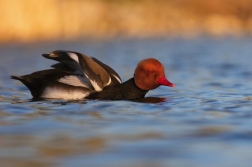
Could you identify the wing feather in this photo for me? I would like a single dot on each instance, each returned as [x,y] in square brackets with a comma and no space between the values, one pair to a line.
[75,80]
[87,69]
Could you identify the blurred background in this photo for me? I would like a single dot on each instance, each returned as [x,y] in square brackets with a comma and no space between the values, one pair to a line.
[30,20]
[205,47]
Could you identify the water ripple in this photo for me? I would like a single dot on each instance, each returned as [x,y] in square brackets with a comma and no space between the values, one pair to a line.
[204,121]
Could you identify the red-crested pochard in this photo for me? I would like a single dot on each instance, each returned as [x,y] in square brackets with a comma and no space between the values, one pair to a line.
[78,76]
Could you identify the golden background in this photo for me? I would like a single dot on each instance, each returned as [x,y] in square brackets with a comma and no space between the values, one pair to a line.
[32,20]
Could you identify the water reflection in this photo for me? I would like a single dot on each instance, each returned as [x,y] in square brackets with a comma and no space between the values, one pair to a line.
[153,100]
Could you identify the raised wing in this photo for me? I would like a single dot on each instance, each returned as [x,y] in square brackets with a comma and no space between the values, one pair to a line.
[115,78]
[79,64]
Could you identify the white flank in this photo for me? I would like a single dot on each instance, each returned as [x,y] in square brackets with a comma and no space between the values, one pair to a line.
[59,93]
[118,79]
[73,56]
[76,81]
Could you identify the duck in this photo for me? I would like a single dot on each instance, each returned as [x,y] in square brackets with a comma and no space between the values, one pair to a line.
[77,76]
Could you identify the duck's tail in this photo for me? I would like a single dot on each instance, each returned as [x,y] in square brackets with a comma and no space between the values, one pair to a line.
[17,78]
[22,79]
[28,83]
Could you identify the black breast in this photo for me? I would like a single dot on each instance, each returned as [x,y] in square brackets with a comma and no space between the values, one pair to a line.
[125,91]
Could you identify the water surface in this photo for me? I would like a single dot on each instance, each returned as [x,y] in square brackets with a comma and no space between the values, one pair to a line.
[204,121]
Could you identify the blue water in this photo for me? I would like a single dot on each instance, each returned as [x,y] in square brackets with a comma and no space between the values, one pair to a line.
[205,121]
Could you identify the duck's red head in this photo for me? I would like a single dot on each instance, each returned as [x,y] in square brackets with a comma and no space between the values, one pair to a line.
[150,74]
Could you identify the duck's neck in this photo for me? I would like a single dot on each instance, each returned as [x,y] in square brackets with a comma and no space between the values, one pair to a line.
[125,91]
